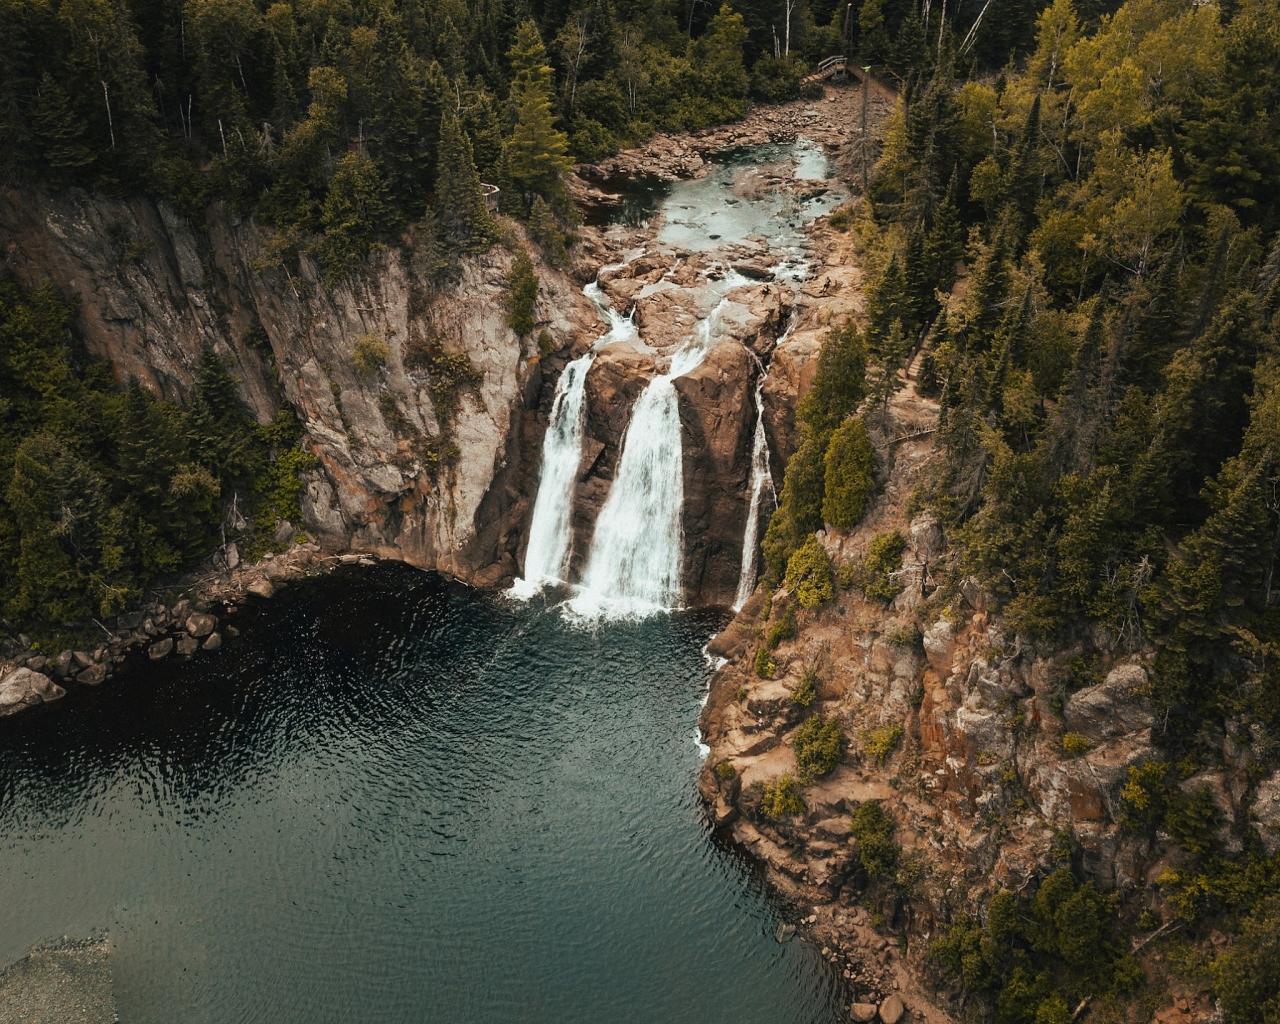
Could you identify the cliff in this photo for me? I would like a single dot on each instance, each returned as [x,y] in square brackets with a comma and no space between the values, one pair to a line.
[426,447]
[984,750]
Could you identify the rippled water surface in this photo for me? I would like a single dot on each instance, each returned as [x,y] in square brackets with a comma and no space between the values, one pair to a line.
[398,800]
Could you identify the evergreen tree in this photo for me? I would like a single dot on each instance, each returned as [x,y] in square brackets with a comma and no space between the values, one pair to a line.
[838,384]
[943,241]
[58,130]
[873,35]
[460,203]
[848,475]
[536,149]
[355,211]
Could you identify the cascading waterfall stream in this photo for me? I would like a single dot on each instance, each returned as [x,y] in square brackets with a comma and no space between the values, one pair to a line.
[636,552]
[761,481]
[550,529]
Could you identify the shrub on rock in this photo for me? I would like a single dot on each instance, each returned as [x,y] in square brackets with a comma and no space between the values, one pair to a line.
[782,797]
[809,574]
[818,744]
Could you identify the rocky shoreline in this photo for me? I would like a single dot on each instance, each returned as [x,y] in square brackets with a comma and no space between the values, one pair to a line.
[201,619]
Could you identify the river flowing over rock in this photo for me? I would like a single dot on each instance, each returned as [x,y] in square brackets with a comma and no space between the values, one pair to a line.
[675,454]
[509,473]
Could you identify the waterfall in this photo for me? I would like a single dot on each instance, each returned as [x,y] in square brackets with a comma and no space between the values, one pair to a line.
[761,479]
[637,550]
[550,528]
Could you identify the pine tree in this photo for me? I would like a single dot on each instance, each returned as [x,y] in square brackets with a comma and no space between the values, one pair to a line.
[221,430]
[848,475]
[1022,182]
[920,305]
[58,130]
[356,210]
[943,241]
[873,36]
[536,149]
[1074,429]
[887,302]
[405,126]
[838,384]
[460,203]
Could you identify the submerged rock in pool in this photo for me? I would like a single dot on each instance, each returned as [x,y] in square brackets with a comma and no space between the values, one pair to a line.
[64,983]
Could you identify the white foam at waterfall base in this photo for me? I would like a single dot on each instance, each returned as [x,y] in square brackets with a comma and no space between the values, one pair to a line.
[550,528]
[636,555]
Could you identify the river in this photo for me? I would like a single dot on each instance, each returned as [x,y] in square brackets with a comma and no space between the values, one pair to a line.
[398,799]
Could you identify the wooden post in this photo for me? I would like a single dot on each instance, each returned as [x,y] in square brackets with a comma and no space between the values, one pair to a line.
[866,81]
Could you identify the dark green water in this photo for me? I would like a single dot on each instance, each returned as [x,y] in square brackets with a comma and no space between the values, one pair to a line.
[398,800]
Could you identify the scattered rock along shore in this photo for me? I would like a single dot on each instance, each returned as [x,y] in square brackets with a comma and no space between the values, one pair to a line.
[200,617]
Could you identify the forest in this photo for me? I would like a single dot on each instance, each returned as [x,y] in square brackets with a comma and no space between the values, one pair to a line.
[1072,231]
[336,125]
[1080,254]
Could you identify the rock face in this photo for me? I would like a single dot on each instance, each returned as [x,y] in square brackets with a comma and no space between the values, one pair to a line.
[403,473]
[717,468]
[614,382]
[432,457]
[24,688]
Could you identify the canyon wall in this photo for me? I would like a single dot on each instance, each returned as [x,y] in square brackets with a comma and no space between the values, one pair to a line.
[426,458]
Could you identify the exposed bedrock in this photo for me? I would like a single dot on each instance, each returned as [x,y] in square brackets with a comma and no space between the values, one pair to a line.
[716,413]
[424,458]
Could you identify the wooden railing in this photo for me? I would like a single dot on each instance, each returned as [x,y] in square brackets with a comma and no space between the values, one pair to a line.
[828,68]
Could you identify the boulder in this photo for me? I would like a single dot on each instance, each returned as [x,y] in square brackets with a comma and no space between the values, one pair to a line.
[283,533]
[160,649]
[94,675]
[262,588]
[1117,705]
[24,688]
[926,537]
[939,641]
[81,659]
[62,665]
[187,646]
[212,642]
[201,624]
[231,555]
[863,1011]
[892,1010]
